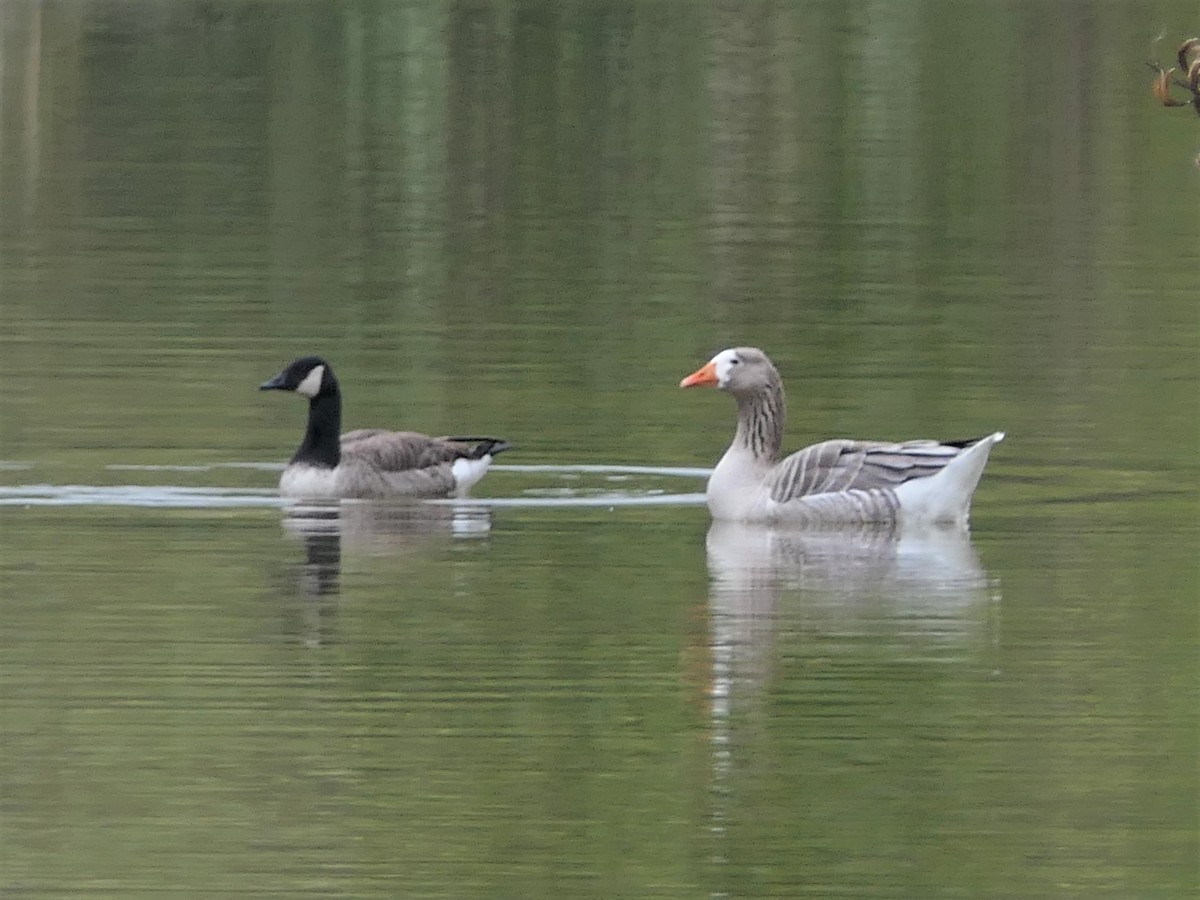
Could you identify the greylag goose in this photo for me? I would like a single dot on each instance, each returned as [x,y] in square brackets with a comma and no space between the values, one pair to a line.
[833,482]
[371,462]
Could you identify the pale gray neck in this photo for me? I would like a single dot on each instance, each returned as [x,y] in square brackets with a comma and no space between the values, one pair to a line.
[761,415]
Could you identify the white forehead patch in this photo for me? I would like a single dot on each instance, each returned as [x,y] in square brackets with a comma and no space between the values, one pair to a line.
[724,362]
[311,384]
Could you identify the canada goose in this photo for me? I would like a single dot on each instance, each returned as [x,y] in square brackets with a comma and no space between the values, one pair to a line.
[834,482]
[371,462]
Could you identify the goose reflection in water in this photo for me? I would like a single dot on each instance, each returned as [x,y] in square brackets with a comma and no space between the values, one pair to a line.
[908,594]
[928,576]
[364,528]
[925,587]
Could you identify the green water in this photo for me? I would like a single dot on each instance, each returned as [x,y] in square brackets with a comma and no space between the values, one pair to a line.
[532,220]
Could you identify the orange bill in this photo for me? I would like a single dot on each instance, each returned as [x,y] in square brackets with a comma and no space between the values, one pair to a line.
[703,376]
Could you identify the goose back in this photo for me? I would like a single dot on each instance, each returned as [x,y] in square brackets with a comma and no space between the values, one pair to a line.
[400,450]
[378,463]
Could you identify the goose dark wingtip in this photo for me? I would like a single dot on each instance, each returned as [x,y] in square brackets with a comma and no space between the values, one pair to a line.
[995,437]
[491,446]
[964,443]
[502,446]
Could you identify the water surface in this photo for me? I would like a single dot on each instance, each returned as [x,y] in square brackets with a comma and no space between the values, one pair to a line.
[532,220]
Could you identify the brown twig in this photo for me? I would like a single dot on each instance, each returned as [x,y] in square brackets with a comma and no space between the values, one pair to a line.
[1189,62]
[1186,50]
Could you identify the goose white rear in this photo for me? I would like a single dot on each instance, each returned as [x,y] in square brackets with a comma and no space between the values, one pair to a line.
[945,498]
[835,482]
[371,463]
[468,472]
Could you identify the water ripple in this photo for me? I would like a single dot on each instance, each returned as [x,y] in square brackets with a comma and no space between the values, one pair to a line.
[553,495]
[134,495]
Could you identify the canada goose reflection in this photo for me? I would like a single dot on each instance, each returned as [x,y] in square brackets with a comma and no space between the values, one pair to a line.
[329,529]
[387,528]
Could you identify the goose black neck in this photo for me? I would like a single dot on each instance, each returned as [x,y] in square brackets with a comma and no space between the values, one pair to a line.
[322,438]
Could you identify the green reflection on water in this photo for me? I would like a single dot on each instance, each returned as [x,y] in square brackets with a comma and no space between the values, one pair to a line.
[532,220]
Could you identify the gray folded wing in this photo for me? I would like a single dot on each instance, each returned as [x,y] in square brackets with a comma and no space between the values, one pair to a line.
[843,465]
[400,451]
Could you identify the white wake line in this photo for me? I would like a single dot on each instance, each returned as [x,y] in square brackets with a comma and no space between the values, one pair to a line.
[199,467]
[206,498]
[594,501]
[586,469]
[135,495]
[184,497]
[682,471]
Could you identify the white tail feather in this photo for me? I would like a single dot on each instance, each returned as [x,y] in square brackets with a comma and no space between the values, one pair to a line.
[468,471]
[946,496]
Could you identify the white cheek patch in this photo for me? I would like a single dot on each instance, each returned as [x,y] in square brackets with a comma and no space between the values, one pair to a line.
[311,384]
[723,362]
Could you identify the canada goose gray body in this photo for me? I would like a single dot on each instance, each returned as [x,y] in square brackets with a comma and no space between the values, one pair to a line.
[834,482]
[371,462]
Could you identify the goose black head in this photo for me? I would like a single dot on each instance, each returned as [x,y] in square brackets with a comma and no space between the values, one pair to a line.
[309,376]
